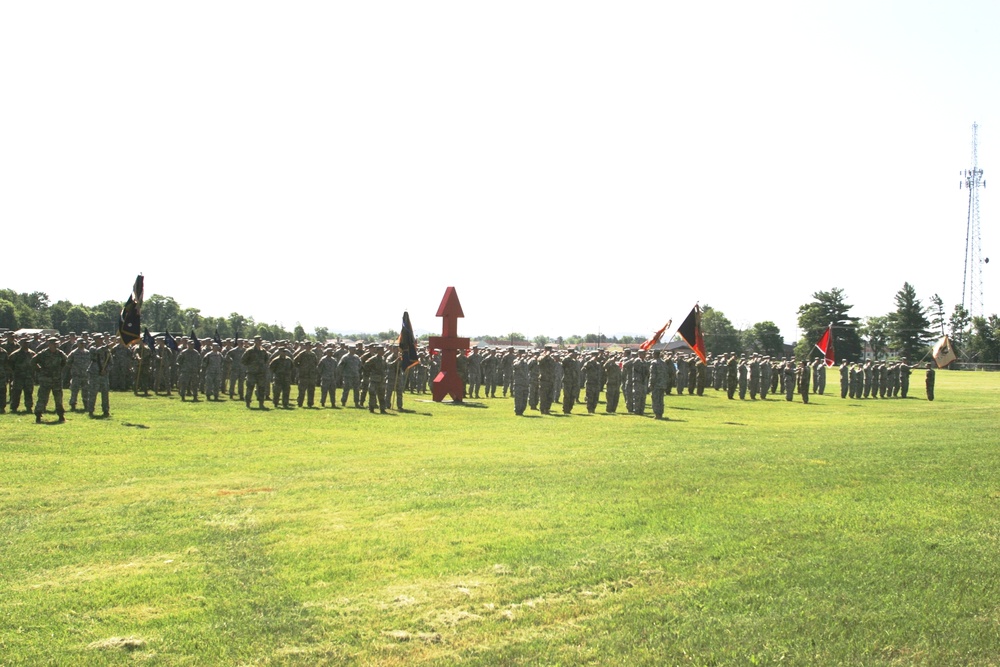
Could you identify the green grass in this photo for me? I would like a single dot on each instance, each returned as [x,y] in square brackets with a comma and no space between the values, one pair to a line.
[838,532]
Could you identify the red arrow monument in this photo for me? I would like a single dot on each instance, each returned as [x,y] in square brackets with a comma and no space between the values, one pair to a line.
[447,382]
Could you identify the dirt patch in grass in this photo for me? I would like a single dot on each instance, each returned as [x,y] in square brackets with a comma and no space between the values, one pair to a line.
[117,643]
[244,492]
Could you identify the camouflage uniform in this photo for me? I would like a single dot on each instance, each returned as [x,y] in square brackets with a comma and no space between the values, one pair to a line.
[237,372]
[282,368]
[254,360]
[22,368]
[802,381]
[570,381]
[4,378]
[374,367]
[101,364]
[307,365]
[640,381]
[189,367]
[658,383]
[592,372]
[163,368]
[78,364]
[328,378]
[518,381]
[212,364]
[613,377]
[546,379]
[929,382]
[349,368]
[474,373]
[49,364]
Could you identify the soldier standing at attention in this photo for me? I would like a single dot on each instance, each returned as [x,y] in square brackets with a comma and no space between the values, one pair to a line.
[282,367]
[930,382]
[22,367]
[788,374]
[475,371]
[212,364]
[802,381]
[519,383]
[50,363]
[613,378]
[507,368]
[592,371]
[627,379]
[546,380]
[374,367]
[328,378]
[100,375]
[78,362]
[570,382]
[845,378]
[349,368]
[657,383]
[742,371]
[189,367]
[307,365]
[640,380]
[164,360]
[534,379]
[732,370]
[237,372]
[820,376]
[254,361]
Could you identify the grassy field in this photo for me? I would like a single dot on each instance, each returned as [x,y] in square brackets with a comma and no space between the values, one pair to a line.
[840,532]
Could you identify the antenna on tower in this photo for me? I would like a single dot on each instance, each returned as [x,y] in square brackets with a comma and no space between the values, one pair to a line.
[972,275]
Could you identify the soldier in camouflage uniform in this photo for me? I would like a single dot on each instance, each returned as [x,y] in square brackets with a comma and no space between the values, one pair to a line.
[593,372]
[373,364]
[101,362]
[904,377]
[255,361]
[49,364]
[507,369]
[802,381]
[189,367]
[845,378]
[519,383]
[534,381]
[163,367]
[627,379]
[788,375]
[570,381]
[307,364]
[212,366]
[78,364]
[640,382]
[546,380]
[732,372]
[658,383]
[350,376]
[328,376]
[144,369]
[282,367]
[613,384]
[237,371]
[491,367]
[474,374]
[22,369]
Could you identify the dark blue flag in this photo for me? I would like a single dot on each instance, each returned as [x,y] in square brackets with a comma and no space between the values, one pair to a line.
[195,343]
[217,339]
[407,344]
[148,340]
[171,343]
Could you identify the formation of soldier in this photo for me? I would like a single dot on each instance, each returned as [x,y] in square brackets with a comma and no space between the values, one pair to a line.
[371,375]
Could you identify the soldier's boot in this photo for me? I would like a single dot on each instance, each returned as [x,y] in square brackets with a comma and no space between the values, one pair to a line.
[62,418]
[38,418]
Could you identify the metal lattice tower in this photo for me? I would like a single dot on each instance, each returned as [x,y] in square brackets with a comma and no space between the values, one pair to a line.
[972,276]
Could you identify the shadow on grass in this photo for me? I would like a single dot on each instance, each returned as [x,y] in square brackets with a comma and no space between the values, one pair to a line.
[733,424]
[134,425]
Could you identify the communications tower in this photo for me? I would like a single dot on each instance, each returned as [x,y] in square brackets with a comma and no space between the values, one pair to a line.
[972,276]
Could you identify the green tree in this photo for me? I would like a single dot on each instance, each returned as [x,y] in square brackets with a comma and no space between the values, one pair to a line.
[936,314]
[161,313]
[959,323]
[908,334]
[299,333]
[57,316]
[764,338]
[876,331]
[540,341]
[984,340]
[190,318]
[104,316]
[322,334]
[78,319]
[826,309]
[8,315]
[721,337]
[238,324]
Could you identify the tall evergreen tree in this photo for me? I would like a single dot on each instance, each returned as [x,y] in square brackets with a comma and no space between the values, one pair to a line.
[908,334]
[815,316]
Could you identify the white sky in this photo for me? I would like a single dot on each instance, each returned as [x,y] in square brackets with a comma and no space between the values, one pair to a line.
[588,166]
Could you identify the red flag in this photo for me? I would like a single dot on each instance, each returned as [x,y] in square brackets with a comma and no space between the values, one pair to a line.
[690,331]
[656,337]
[825,345]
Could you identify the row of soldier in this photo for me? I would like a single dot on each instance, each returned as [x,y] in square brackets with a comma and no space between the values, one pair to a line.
[212,368]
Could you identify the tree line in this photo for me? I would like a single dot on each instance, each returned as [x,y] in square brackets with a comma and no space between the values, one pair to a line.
[906,331]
